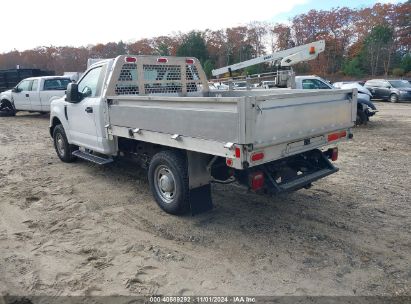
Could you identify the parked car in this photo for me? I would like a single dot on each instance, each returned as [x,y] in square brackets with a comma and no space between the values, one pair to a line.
[33,94]
[363,98]
[365,108]
[392,90]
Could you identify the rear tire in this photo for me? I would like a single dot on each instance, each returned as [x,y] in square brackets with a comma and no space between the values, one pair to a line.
[168,178]
[394,98]
[63,149]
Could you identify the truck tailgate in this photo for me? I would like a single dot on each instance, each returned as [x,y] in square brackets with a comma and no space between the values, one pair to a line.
[290,117]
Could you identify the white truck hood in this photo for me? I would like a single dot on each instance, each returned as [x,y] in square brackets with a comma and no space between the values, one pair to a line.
[5,94]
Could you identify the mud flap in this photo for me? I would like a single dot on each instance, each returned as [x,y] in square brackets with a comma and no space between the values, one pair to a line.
[200,199]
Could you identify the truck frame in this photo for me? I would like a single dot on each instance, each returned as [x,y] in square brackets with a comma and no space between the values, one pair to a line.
[160,112]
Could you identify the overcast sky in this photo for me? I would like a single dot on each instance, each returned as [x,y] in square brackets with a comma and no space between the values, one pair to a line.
[27,23]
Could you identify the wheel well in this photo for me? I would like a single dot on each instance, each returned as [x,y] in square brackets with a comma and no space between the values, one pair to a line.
[55,122]
[143,150]
[5,101]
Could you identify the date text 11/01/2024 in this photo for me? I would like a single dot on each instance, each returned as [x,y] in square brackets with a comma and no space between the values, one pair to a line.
[205,299]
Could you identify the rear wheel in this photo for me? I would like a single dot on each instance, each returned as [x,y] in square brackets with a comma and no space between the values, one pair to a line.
[168,178]
[63,149]
[394,98]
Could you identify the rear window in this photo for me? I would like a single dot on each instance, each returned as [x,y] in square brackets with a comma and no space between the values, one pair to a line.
[56,84]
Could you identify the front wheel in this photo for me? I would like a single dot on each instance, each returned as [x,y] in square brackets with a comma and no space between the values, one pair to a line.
[362,118]
[63,148]
[6,108]
[394,98]
[168,178]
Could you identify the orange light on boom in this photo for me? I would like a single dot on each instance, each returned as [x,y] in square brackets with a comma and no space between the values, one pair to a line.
[312,50]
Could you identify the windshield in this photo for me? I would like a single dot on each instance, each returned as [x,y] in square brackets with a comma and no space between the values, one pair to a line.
[400,83]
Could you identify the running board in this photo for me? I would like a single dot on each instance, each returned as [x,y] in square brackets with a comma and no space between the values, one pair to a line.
[92,158]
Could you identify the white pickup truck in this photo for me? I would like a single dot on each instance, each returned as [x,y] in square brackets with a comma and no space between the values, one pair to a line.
[33,94]
[160,112]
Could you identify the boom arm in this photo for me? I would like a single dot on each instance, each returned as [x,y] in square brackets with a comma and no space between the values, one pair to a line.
[288,57]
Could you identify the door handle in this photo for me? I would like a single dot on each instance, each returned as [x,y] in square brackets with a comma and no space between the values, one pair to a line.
[89,110]
[27,95]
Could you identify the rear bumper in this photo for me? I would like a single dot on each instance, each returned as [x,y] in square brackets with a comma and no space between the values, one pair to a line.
[300,171]
[282,151]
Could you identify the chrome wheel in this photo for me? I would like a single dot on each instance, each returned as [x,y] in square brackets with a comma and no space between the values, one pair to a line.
[60,145]
[164,183]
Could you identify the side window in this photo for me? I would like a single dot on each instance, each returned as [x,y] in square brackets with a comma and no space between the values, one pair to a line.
[34,85]
[379,84]
[56,84]
[89,85]
[24,85]
[320,85]
[309,84]
[50,84]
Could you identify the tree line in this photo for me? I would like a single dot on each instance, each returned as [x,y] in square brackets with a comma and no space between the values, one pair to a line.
[370,41]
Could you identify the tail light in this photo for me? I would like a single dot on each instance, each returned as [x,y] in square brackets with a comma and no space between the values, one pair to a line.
[237,152]
[229,162]
[162,60]
[190,61]
[337,135]
[332,153]
[257,156]
[256,180]
[130,59]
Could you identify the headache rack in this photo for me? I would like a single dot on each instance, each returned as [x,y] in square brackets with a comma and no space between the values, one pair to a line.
[150,75]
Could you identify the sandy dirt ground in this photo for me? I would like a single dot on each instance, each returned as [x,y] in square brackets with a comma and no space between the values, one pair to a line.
[81,229]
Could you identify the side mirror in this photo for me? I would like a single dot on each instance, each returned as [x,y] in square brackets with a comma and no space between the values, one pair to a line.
[72,93]
[15,90]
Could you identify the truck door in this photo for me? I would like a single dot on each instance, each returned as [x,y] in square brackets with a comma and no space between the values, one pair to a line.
[21,95]
[34,95]
[81,115]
